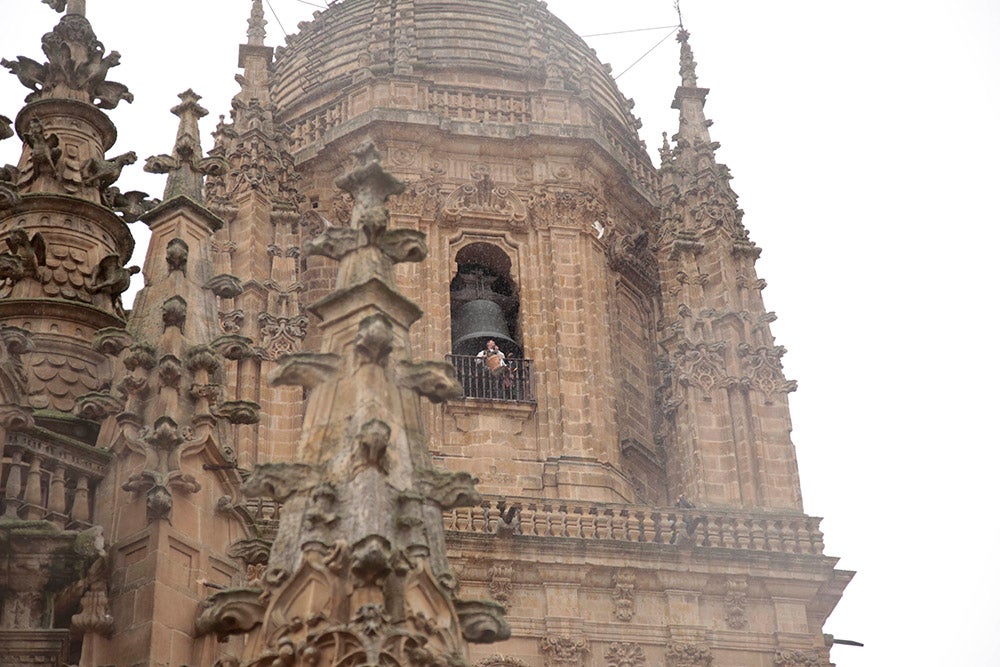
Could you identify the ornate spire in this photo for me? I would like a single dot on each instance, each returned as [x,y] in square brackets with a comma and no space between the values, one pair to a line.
[186,166]
[689,99]
[256,32]
[77,65]
[688,77]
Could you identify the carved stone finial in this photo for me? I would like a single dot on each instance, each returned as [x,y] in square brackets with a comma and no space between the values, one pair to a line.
[256,33]
[186,166]
[688,77]
[75,6]
[77,67]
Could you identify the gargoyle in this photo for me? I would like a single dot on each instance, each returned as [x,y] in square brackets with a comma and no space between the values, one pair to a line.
[5,128]
[132,205]
[9,195]
[111,277]
[25,255]
[108,94]
[103,173]
[32,74]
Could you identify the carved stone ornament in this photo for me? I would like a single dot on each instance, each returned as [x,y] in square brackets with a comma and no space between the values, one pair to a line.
[580,208]
[763,371]
[624,595]
[497,660]
[500,583]
[281,335]
[625,654]
[225,286]
[77,67]
[685,654]
[229,612]
[561,650]
[95,613]
[700,366]
[736,604]
[485,200]
[629,253]
[232,322]
[797,658]
[24,256]
[186,167]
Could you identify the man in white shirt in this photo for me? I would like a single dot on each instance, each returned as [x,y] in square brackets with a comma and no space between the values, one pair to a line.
[495,361]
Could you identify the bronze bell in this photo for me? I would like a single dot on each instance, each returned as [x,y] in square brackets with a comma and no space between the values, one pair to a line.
[476,322]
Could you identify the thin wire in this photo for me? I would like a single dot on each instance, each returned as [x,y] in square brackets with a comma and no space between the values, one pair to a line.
[622,73]
[680,19]
[622,32]
[276,17]
[311,4]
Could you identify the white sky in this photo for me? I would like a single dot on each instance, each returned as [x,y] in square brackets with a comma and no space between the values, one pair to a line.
[863,137]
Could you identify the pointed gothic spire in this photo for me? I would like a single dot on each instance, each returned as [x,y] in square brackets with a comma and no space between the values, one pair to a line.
[256,32]
[255,59]
[186,166]
[689,99]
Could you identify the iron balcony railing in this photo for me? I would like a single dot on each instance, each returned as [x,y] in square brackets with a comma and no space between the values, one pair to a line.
[479,383]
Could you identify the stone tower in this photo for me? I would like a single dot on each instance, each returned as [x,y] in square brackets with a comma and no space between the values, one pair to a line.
[239,469]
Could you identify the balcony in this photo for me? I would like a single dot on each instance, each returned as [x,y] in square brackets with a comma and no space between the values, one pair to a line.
[50,477]
[478,383]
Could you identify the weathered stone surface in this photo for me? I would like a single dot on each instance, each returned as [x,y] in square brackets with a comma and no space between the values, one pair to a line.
[252,437]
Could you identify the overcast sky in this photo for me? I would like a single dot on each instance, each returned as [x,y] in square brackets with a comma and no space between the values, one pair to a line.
[863,137]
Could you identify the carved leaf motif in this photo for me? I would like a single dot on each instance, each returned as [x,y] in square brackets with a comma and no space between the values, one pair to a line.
[625,654]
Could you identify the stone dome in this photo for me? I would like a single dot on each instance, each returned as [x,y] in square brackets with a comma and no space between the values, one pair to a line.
[504,62]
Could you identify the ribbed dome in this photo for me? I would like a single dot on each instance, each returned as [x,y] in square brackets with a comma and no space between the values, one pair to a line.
[494,61]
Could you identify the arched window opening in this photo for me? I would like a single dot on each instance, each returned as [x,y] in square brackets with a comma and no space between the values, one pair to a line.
[485,307]
[484,301]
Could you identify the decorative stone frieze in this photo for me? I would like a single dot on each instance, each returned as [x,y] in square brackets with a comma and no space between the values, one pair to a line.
[497,660]
[799,658]
[483,199]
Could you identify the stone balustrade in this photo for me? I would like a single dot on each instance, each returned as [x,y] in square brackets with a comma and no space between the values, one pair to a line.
[791,533]
[773,532]
[50,480]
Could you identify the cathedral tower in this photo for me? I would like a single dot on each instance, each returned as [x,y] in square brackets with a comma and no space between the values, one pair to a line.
[269,486]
